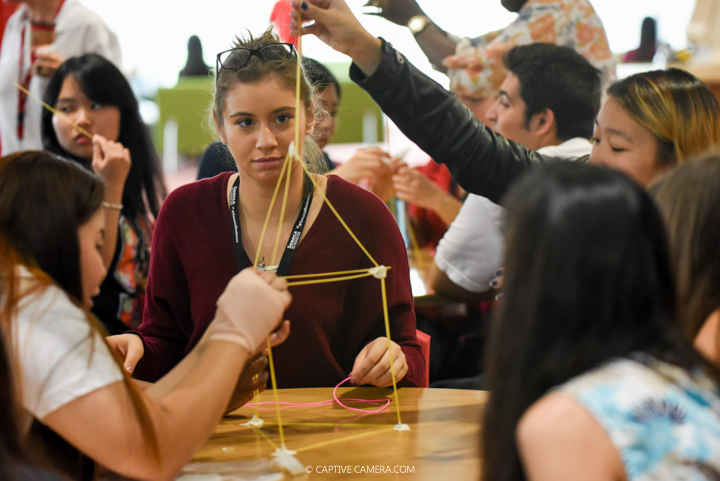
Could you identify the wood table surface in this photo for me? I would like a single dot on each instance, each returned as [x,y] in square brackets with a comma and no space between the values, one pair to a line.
[336,443]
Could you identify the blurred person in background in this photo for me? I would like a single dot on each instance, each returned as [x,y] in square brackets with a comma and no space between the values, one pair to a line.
[92,93]
[648,43]
[195,65]
[38,37]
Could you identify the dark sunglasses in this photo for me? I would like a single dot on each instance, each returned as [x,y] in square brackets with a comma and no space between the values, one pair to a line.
[237,58]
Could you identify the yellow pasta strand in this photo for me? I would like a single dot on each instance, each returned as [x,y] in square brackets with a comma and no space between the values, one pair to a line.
[60,115]
[387,333]
[328,274]
[340,219]
[267,217]
[325,281]
[275,393]
[257,429]
[343,439]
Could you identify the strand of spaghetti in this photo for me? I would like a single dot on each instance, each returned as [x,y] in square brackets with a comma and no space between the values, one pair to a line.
[387,333]
[256,398]
[61,115]
[324,281]
[275,393]
[298,74]
[345,425]
[343,439]
[329,401]
[287,165]
[257,429]
[267,217]
[288,161]
[340,219]
[328,274]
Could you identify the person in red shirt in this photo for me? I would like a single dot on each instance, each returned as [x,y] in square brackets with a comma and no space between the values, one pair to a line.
[206,231]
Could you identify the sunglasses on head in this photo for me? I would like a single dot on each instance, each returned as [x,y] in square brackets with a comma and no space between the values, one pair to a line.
[238,58]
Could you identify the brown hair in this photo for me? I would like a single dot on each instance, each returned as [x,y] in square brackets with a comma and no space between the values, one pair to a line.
[258,70]
[689,199]
[44,200]
[676,107]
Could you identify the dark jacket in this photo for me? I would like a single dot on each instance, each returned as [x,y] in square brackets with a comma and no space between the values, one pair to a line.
[481,161]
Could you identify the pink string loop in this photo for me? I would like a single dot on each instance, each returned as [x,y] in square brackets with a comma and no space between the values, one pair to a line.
[337,400]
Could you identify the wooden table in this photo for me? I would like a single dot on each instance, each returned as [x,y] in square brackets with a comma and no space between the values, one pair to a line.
[442,442]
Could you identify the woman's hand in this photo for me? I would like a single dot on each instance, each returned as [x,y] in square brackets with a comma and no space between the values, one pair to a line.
[372,365]
[252,378]
[111,161]
[412,186]
[129,347]
[337,27]
[250,308]
[397,11]
[368,162]
[48,60]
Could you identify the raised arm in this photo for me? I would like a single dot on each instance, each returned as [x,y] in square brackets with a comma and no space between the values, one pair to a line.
[434,41]
[480,161]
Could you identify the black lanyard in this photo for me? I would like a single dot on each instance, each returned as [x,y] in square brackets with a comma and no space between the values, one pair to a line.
[240,257]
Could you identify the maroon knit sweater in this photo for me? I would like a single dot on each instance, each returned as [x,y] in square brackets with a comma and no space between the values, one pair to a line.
[192,261]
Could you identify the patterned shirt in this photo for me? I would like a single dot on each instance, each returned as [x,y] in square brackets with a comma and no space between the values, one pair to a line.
[119,305]
[663,420]
[476,70]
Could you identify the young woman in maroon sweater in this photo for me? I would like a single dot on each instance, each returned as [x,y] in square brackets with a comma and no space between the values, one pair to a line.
[337,328]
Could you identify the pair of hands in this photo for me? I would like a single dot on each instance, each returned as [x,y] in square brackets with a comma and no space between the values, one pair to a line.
[235,322]
[248,311]
[414,187]
[373,164]
[389,176]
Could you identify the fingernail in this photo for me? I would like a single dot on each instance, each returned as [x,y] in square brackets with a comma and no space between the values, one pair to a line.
[129,369]
[304,5]
[498,272]
[494,283]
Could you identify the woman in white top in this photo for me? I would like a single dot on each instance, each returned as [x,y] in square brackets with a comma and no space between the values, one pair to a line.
[51,232]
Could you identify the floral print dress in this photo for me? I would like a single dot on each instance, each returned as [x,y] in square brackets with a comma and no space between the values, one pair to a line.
[476,70]
[663,420]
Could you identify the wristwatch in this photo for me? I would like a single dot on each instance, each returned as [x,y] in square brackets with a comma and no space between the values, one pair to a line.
[418,23]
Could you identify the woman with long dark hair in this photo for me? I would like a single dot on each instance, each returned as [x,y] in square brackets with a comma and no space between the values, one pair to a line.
[588,374]
[71,387]
[93,94]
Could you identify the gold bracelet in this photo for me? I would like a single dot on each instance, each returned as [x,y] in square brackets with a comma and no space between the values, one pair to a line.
[108,205]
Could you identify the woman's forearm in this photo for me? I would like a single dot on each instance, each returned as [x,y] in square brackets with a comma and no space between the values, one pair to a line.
[105,424]
[436,45]
[190,403]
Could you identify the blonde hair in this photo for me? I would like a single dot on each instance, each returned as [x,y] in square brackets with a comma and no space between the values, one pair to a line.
[258,70]
[676,107]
